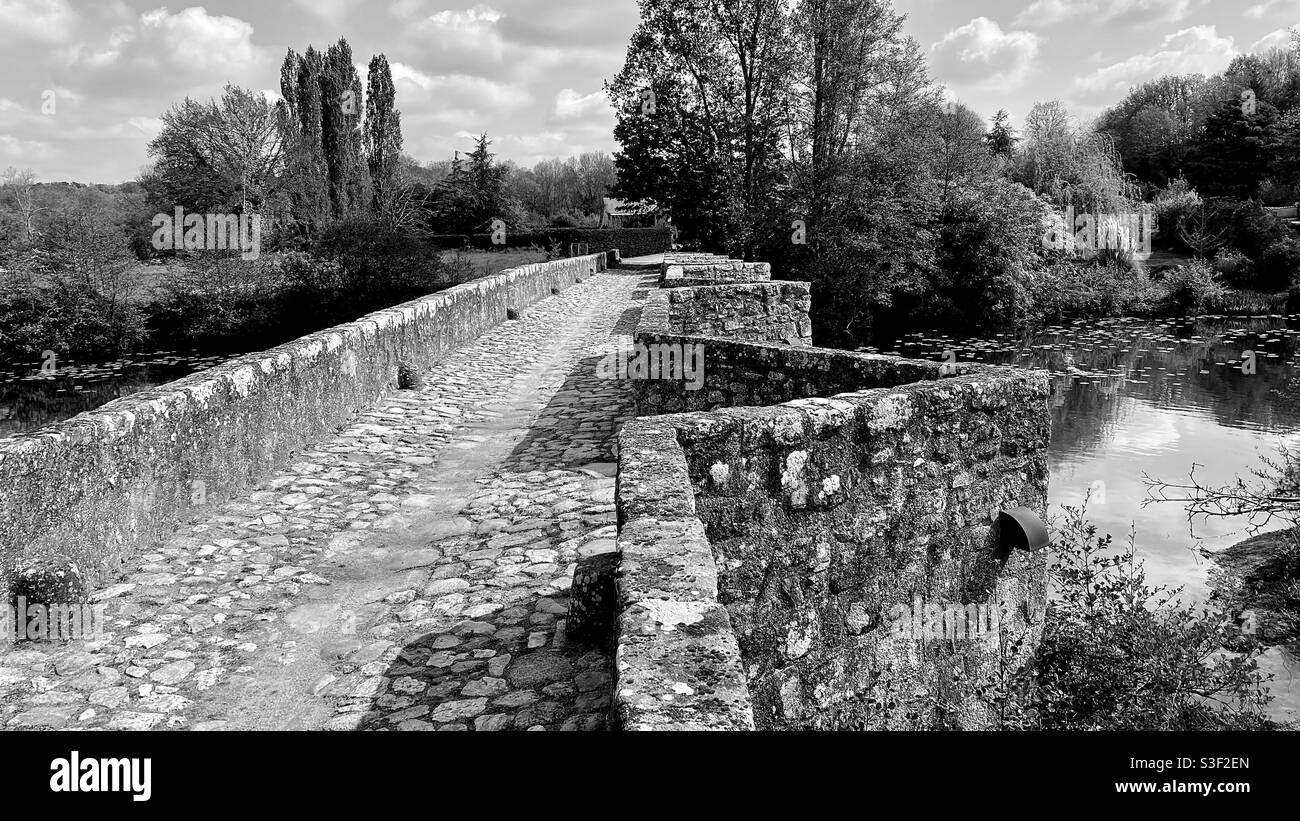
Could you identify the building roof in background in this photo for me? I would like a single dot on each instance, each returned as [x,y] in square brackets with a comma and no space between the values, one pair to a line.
[623,208]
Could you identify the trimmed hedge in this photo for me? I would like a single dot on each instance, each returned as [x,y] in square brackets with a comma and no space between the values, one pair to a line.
[630,242]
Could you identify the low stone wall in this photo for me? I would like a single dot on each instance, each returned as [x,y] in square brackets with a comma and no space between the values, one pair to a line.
[821,515]
[750,371]
[773,544]
[678,666]
[758,312]
[105,482]
[687,270]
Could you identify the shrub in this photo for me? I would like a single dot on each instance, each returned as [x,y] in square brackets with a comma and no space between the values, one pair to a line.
[990,240]
[1190,289]
[1234,266]
[1098,287]
[1171,205]
[378,266]
[67,318]
[631,242]
[1279,266]
[1119,654]
[218,302]
[1252,229]
[1277,194]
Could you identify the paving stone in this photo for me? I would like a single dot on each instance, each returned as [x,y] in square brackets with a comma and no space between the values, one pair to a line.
[478,567]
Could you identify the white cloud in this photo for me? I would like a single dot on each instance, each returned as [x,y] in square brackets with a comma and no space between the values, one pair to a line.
[1195,50]
[150,126]
[49,21]
[981,53]
[1281,38]
[195,38]
[1274,8]
[1050,12]
[335,11]
[463,92]
[570,105]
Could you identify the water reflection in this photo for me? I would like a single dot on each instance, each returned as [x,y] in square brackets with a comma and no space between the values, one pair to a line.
[31,398]
[1133,397]
[1160,398]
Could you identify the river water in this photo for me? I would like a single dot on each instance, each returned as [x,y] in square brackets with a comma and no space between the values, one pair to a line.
[31,397]
[1150,398]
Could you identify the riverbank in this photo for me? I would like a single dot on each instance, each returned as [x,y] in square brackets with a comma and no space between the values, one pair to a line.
[1258,580]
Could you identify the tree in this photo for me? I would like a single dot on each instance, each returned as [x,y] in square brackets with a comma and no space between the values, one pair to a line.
[712,125]
[341,131]
[1000,139]
[475,193]
[383,135]
[299,119]
[321,122]
[21,185]
[1231,156]
[217,156]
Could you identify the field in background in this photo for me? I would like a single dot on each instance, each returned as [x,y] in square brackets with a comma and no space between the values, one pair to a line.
[472,264]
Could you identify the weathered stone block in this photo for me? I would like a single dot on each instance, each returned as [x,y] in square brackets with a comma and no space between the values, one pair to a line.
[592,598]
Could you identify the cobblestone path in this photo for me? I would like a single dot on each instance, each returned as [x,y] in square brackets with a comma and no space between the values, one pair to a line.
[409,574]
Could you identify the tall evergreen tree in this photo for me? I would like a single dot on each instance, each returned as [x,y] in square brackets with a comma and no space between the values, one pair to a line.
[382,134]
[1000,139]
[341,110]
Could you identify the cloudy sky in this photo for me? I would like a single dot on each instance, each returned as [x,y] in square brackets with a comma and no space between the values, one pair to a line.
[530,72]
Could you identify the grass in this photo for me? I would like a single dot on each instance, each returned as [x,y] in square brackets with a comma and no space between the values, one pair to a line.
[473,264]
[1243,302]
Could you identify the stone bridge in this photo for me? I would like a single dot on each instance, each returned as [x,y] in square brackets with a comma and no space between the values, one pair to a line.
[378,526]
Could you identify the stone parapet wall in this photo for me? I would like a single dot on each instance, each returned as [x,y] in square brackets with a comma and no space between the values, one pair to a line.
[815,495]
[108,481]
[682,270]
[678,666]
[823,514]
[758,312]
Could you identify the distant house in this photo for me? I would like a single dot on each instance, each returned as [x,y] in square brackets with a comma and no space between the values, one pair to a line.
[1288,214]
[622,214]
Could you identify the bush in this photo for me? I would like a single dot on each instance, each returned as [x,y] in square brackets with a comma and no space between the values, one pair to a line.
[1119,654]
[1191,289]
[219,302]
[1073,289]
[1279,266]
[1234,267]
[990,240]
[1252,229]
[1170,206]
[1277,194]
[377,266]
[67,318]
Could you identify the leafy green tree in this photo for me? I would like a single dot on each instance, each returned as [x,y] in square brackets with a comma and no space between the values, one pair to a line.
[717,73]
[216,155]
